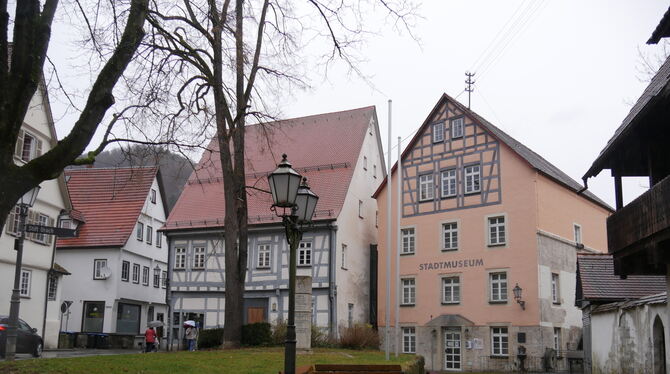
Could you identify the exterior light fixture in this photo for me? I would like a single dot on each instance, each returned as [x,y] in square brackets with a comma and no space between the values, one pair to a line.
[284,183]
[517,296]
[305,202]
[28,199]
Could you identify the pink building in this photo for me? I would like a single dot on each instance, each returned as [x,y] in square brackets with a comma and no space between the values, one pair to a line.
[481,214]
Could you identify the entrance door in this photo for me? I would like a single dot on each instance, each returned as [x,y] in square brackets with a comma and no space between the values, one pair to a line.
[452,349]
[659,346]
[255,314]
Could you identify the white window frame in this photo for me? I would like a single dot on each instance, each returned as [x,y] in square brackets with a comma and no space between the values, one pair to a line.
[157,278]
[557,339]
[409,339]
[164,278]
[451,289]
[555,288]
[499,341]
[145,275]
[577,232]
[42,220]
[152,196]
[125,271]
[35,149]
[344,257]
[457,127]
[360,208]
[408,240]
[426,187]
[472,178]
[498,287]
[496,230]
[449,236]
[448,183]
[438,136]
[199,252]
[25,283]
[150,235]
[140,231]
[136,273]
[98,264]
[408,291]
[264,256]
[52,287]
[305,253]
[180,257]
[159,239]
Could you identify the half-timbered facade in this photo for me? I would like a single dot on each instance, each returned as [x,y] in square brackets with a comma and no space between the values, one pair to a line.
[480,214]
[340,154]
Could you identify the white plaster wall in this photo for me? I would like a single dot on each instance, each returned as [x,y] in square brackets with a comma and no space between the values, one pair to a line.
[353,283]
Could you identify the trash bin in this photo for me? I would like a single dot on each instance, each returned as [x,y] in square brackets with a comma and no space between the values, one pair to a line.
[102,341]
[90,341]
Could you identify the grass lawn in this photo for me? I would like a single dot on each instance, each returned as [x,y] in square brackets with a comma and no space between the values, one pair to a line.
[250,360]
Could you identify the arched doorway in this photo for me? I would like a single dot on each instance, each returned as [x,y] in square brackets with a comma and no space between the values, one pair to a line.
[659,346]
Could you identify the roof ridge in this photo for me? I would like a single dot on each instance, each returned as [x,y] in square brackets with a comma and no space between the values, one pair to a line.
[313,115]
[111,168]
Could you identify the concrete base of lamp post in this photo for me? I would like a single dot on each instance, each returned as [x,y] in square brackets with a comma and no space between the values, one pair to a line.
[303,312]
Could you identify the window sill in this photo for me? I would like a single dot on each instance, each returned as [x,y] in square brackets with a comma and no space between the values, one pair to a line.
[25,297]
[556,303]
[179,269]
[449,249]
[305,266]
[343,268]
[499,357]
[426,200]
[449,197]
[472,193]
[125,280]
[497,245]
[494,302]
[408,254]
[407,305]
[262,268]
[198,268]
[451,303]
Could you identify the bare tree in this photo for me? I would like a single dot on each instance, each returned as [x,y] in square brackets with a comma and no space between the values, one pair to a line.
[21,65]
[223,60]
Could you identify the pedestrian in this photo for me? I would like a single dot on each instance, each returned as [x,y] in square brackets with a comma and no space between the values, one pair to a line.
[149,339]
[191,334]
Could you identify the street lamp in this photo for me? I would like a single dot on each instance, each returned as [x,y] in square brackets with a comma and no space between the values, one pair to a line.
[295,203]
[517,296]
[26,201]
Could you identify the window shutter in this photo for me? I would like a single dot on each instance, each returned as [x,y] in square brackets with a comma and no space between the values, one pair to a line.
[19,145]
[33,219]
[9,225]
[38,148]
[49,238]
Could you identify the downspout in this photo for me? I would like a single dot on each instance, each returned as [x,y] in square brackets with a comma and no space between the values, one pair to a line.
[49,272]
[168,289]
[332,291]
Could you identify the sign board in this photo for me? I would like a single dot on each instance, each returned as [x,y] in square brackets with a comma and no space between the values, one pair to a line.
[48,230]
[477,343]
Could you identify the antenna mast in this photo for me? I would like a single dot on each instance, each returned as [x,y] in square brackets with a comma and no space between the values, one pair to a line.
[469,88]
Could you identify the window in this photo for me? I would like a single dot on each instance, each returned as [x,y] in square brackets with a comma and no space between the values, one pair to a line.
[365,162]
[557,338]
[457,128]
[497,230]
[42,220]
[305,253]
[157,277]
[499,340]
[198,257]
[555,295]
[145,275]
[344,256]
[472,179]
[426,187]
[164,279]
[374,171]
[451,290]
[578,234]
[13,220]
[350,318]
[449,183]
[408,291]
[140,231]
[125,271]
[263,256]
[408,240]
[180,258]
[150,234]
[498,283]
[52,288]
[438,132]
[98,265]
[28,146]
[152,196]
[128,319]
[136,273]
[24,285]
[360,208]
[450,236]
[408,340]
[66,224]
[376,218]
[159,239]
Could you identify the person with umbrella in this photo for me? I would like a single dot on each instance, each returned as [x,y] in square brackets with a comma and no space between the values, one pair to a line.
[191,334]
[149,339]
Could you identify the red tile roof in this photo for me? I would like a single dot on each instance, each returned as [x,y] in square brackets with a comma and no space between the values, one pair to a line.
[324,148]
[111,199]
[596,281]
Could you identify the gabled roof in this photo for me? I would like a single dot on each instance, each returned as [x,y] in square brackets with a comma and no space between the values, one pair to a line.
[111,199]
[654,94]
[596,281]
[535,160]
[324,148]
[662,30]
[660,298]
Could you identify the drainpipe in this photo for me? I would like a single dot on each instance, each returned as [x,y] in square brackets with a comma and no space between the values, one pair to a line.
[332,291]
[49,272]
[168,287]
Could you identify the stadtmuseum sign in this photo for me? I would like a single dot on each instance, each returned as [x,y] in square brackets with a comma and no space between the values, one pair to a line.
[455,264]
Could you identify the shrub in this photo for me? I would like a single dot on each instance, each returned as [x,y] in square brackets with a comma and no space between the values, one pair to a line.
[210,338]
[321,338]
[359,336]
[257,334]
[279,332]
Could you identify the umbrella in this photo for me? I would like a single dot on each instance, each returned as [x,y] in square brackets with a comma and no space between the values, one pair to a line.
[189,323]
[155,324]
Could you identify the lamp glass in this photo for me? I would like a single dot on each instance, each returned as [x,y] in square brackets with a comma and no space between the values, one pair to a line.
[305,203]
[29,197]
[517,291]
[284,183]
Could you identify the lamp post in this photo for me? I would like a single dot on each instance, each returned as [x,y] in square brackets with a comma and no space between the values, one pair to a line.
[26,201]
[517,296]
[295,203]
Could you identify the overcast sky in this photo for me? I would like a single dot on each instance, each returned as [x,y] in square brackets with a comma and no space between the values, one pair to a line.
[561,79]
[561,87]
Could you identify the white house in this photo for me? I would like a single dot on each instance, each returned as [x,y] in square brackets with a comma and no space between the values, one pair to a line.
[119,260]
[40,276]
[341,156]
